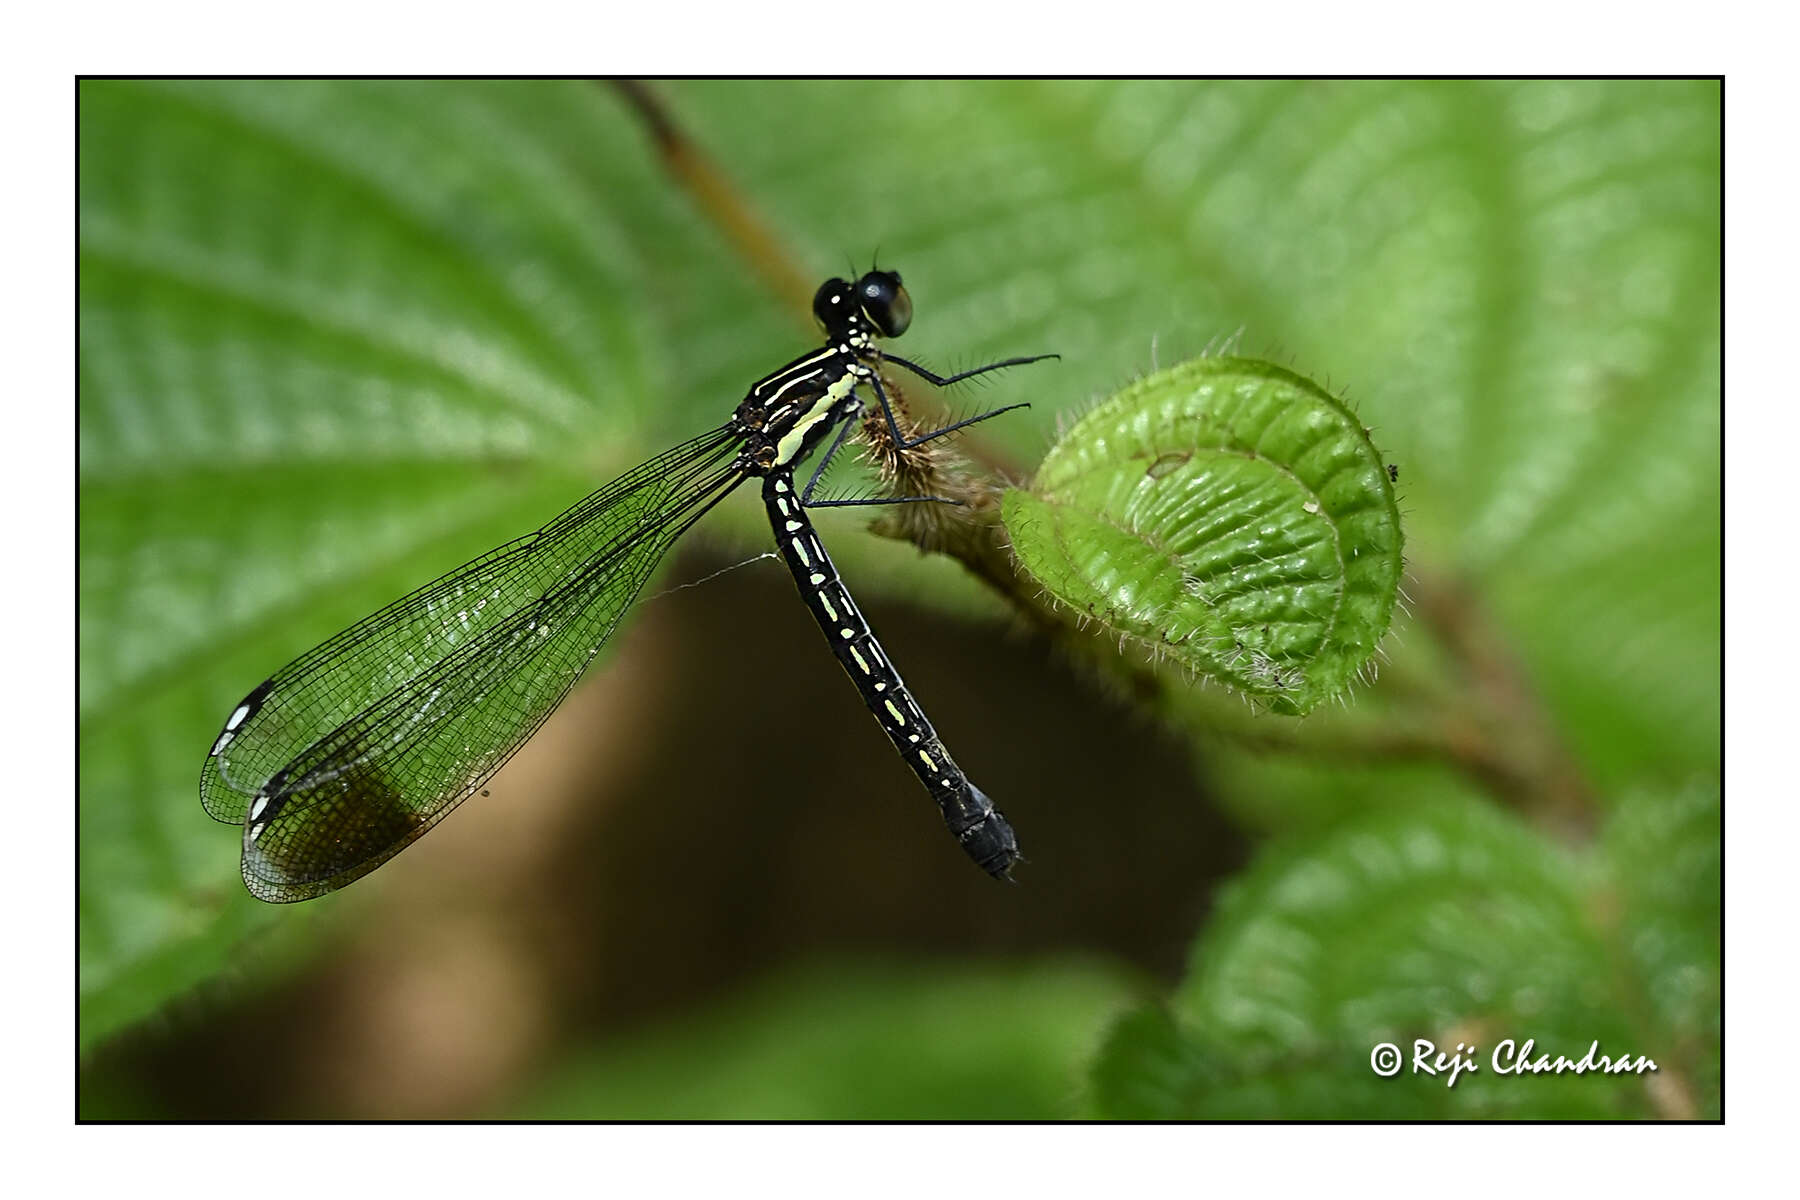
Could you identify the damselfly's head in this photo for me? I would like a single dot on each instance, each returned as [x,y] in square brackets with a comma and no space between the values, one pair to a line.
[878,300]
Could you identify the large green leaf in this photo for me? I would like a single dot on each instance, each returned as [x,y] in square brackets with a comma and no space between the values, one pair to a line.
[1450,924]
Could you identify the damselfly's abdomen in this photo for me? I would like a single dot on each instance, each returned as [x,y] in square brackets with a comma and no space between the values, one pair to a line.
[978,826]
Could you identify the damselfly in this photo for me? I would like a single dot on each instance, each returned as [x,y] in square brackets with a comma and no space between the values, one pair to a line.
[349,753]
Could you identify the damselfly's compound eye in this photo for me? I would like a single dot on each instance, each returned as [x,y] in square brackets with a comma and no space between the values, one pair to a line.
[885,302]
[833,303]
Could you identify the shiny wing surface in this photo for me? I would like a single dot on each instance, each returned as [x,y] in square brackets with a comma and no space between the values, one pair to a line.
[354,749]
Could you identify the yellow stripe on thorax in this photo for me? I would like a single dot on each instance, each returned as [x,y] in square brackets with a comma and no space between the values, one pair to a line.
[789,446]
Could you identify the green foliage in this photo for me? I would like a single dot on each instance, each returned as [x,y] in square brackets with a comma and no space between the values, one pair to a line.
[1230,514]
[859,1043]
[1451,924]
[337,337]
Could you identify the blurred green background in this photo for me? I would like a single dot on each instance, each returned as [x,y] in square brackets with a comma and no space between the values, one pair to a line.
[337,337]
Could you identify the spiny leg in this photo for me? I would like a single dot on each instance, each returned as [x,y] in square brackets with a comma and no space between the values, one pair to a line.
[837,443]
[901,442]
[937,380]
[905,443]
[873,500]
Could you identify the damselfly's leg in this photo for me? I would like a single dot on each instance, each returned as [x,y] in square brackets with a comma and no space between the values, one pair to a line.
[887,410]
[946,380]
[873,500]
[837,443]
[902,442]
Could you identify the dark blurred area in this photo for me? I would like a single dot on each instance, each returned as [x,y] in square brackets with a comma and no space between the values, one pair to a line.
[715,803]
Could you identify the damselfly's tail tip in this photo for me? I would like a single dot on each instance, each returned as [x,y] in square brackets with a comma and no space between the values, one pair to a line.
[991,841]
[1002,867]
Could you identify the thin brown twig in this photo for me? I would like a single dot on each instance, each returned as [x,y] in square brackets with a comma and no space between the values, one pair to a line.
[1518,742]
[720,200]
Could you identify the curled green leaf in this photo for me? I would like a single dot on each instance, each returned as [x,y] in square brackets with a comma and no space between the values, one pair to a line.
[1226,512]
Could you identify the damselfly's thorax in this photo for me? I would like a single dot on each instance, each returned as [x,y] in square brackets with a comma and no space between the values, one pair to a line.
[789,411]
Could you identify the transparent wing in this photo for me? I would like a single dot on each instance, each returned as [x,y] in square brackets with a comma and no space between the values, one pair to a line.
[351,751]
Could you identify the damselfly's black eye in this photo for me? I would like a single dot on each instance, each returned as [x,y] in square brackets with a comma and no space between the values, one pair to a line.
[833,303]
[885,302]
